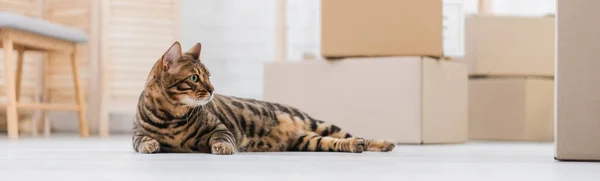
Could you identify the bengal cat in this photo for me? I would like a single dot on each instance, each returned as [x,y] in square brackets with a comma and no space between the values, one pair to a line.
[178,111]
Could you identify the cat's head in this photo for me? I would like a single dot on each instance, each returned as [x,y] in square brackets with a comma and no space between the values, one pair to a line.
[183,77]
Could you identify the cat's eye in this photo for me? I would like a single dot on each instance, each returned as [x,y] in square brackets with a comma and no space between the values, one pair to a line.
[194,78]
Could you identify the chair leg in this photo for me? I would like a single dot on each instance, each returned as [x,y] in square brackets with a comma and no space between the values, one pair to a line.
[19,73]
[43,113]
[103,112]
[44,123]
[83,127]
[104,122]
[9,80]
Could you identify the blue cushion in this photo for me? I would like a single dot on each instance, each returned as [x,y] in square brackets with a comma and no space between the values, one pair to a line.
[42,27]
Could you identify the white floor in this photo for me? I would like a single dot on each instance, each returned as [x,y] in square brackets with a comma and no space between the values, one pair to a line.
[71,158]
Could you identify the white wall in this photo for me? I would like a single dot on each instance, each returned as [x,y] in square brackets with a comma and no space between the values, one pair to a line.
[304,24]
[237,36]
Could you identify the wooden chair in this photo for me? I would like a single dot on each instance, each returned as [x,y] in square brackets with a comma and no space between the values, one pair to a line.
[30,34]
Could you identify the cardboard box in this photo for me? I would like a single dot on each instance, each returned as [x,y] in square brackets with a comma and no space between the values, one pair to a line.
[502,45]
[578,81]
[359,28]
[516,108]
[406,99]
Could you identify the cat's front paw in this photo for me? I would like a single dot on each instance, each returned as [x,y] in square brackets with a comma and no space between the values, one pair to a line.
[149,146]
[222,148]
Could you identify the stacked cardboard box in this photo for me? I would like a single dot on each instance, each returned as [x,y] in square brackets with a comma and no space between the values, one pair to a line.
[578,81]
[379,81]
[511,64]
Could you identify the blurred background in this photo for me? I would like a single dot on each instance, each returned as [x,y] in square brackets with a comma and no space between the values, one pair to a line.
[238,36]
[466,88]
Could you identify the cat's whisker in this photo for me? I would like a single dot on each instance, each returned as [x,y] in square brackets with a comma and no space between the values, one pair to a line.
[187,117]
[193,111]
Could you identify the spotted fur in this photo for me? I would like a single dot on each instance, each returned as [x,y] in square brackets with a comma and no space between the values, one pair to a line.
[178,111]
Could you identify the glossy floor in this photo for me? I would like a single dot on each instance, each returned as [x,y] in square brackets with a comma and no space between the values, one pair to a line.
[67,157]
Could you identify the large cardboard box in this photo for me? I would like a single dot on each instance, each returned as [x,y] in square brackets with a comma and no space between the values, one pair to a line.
[503,45]
[517,108]
[358,28]
[406,99]
[578,81]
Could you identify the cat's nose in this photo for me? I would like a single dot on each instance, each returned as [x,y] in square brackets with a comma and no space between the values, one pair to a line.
[210,89]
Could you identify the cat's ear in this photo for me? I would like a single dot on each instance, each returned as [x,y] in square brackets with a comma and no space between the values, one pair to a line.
[195,51]
[170,57]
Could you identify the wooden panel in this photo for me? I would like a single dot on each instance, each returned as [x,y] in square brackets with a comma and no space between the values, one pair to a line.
[31,59]
[32,8]
[76,14]
[138,32]
[126,38]
[37,106]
